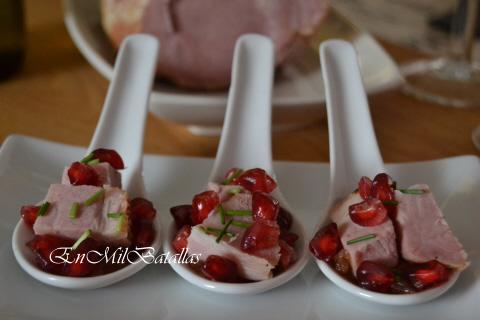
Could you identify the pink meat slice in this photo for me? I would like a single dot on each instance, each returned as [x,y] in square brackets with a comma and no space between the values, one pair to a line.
[254,267]
[58,222]
[424,234]
[382,248]
[106,173]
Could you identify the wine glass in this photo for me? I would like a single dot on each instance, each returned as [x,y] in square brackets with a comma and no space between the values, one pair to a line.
[452,80]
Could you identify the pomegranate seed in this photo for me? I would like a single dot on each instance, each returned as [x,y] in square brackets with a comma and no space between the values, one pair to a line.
[42,246]
[217,268]
[180,241]
[264,207]
[368,213]
[341,262]
[284,219]
[288,237]
[365,187]
[81,267]
[262,234]
[287,255]
[375,276]
[326,243]
[256,180]
[428,274]
[29,214]
[182,215]
[202,204]
[82,174]
[141,208]
[110,156]
[381,187]
[143,233]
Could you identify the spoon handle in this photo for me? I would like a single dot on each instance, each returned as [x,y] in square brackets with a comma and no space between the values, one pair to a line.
[353,146]
[122,121]
[246,135]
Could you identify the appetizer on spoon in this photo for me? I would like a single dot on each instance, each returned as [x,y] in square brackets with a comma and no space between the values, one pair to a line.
[240,228]
[379,242]
[66,239]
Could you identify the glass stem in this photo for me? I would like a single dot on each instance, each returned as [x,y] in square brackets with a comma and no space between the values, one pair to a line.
[469,30]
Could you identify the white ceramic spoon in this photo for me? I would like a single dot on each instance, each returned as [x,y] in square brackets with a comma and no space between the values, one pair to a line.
[120,127]
[354,153]
[246,143]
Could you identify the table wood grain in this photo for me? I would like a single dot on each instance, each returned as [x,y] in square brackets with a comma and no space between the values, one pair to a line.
[58,96]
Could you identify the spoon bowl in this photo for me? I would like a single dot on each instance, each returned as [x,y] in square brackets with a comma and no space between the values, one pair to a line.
[354,153]
[246,143]
[125,107]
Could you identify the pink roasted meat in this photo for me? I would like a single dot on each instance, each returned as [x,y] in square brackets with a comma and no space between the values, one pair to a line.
[382,248]
[423,232]
[57,220]
[106,174]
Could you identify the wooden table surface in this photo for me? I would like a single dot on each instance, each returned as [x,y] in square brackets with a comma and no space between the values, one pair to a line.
[58,96]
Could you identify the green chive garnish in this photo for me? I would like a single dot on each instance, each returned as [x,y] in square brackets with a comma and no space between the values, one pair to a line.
[82,238]
[88,158]
[390,203]
[216,232]
[234,191]
[222,214]
[43,208]
[120,223]
[412,191]
[238,213]
[92,162]
[74,210]
[362,238]
[241,224]
[114,215]
[94,198]
[224,231]
[232,177]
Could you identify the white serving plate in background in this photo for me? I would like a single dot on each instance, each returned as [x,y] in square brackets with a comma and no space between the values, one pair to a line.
[298,91]
[28,166]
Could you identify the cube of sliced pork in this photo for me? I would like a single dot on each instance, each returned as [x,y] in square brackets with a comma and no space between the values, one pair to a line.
[424,234]
[58,222]
[106,173]
[381,249]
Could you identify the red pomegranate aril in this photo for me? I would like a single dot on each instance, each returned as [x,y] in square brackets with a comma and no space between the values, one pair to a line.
[381,187]
[326,243]
[29,214]
[365,187]
[110,156]
[368,213]
[284,219]
[141,208]
[288,237]
[220,269]
[143,233]
[42,246]
[180,241]
[264,207]
[256,180]
[375,276]
[182,215]
[428,274]
[287,254]
[81,266]
[82,174]
[262,234]
[202,204]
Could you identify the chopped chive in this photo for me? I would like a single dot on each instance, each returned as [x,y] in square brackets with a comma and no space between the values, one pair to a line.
[92,162]
[120,223]
[74,210]
[82,238]
[241,224]
[232,177]
[94,198]
[412,191]
[390,203]
[238,213]
[224,231]
[222,214]
[234,191]
[114,215]
[88,158]
[43,208]
[216,232]
[362,238]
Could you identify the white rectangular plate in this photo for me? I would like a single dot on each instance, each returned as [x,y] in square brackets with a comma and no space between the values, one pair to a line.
[28,166]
